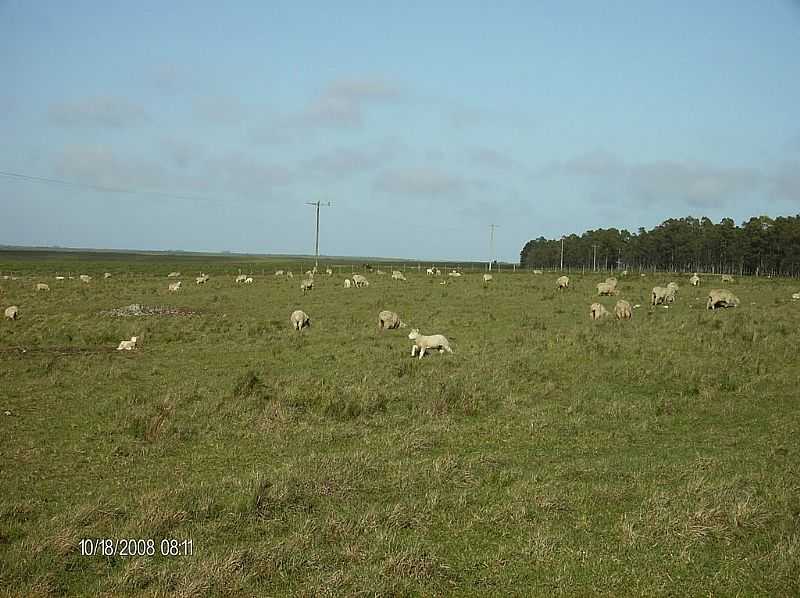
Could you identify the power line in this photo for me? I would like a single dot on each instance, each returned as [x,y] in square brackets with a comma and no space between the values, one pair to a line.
[41,179]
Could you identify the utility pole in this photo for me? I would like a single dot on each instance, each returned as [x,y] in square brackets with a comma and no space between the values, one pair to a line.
[491,244]
[316,243]
[594,259]
[562,253]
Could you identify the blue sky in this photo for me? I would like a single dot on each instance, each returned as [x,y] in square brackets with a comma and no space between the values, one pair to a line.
[421,122]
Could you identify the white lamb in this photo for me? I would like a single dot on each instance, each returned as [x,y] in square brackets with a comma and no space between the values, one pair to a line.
[173,275]
[429,271]
[694,280]
[40,286]
[347,283]
[85,278]
[389,319]
[248,280]
[795,296]
[299,319]
[127,345]
[174,287]
[12,313]
[202,279]
[487,278]
[562,282]
[61,277]
[278,272]
[306,285]
[422,343]
[241,278]
[107,275]
[397,275]
[329,271]
[360,281]
[538,271]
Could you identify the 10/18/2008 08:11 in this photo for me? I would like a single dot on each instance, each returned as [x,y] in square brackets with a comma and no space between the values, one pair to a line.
[135,547]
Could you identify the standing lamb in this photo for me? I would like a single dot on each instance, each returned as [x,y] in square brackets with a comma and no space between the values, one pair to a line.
[360,281]
[248,280]
[329,271]
[299,319]
[12,313]
[173,275]
[605,288]
[658,295]
[306,285]
[597,311]
[241,278]
[429,271]
[397,275]
[174,287]
[623,310]
[694,280]
[795,296]
[562,282]
[40,286]
[127,345]
[423,343]
[202,279]
[347,283]
[487,278]
[390,320]
[721,298]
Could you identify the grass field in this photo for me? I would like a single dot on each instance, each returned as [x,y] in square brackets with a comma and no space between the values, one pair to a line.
[548,455]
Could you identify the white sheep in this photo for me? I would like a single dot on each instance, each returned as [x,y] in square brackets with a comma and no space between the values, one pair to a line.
[360,281]
[61,277]
[597,311]
[423,343]
[611,280]
[397,275]
[487,278]
[694,280]
[107,275]
[174,287]
[795,296]
[173,275]
[278,272]
[606,288]
[389,319]
[662,295]
[727,278]
[12,313]
[289,274]
[299,319]
[329,271]
[85,278]
[40,286]
[673,285]
[538,271]
[721,298]
[429,271]
[248,280]
[202,279]
[623,310]
[127,345]
[454,273]
[241,278]
[347,283]
[562,282]
[306,285]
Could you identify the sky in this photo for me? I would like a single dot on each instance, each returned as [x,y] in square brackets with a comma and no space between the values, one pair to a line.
[207,126]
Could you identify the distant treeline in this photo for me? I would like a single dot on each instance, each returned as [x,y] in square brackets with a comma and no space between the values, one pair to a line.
[760,246]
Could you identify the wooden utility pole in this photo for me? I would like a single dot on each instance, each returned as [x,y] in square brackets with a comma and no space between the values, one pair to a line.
[491,244]
[316,242]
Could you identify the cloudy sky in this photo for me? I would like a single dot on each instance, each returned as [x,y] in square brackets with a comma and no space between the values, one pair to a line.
[207,125]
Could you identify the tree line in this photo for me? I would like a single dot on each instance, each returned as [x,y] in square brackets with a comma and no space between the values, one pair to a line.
[760,246]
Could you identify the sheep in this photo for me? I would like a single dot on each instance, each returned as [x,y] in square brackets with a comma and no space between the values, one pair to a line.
[624,272]
[40,286]
[721,298]
[727,278]
[562,282]
[538,272]
[623,310]
[127,345]
[795,296]
[429,271]
[390,320]
[347,283]
[241,278]
[360,281]
[605,288]
[248,280]
[662,295]
[306,285]
[611,280]
[422,343]
[85,278]
[454,273]
[202,279]
[380,272]
[12,313]
[174,287]
[487,278]
[299,319]
[61,277]
[329,271]
[107,275]
[597,311]
[278,272]
[309,274]
[397,275]
[673,285]
[173,275]
[694,280]
[289,274]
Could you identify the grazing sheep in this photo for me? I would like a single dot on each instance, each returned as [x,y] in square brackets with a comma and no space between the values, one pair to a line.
[174,287]
[299,319]
[597,311]
[61,277]
[660,295]
[127,345]
[727,278]
[538,272]
[360,281]
[202,279]
[721,298]
[397,275]
[673,285]
[429,271]
[347,283]
[611,280]
[278,272]
[241,278]
[487,278]
[694,280]
[12,313]
[248,280]
[173,275]
[423,343]
[329,271]
[40,286]
[605,288]
[623,310]
[107,275]
[289,274]
[390,320]
[454,273]
[85,278]
[562,282]
[306,285]
[795,296]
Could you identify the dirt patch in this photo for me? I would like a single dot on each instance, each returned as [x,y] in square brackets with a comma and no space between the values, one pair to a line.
[137,309]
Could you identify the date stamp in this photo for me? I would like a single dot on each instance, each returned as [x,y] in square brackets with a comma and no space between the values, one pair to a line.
[130,547]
